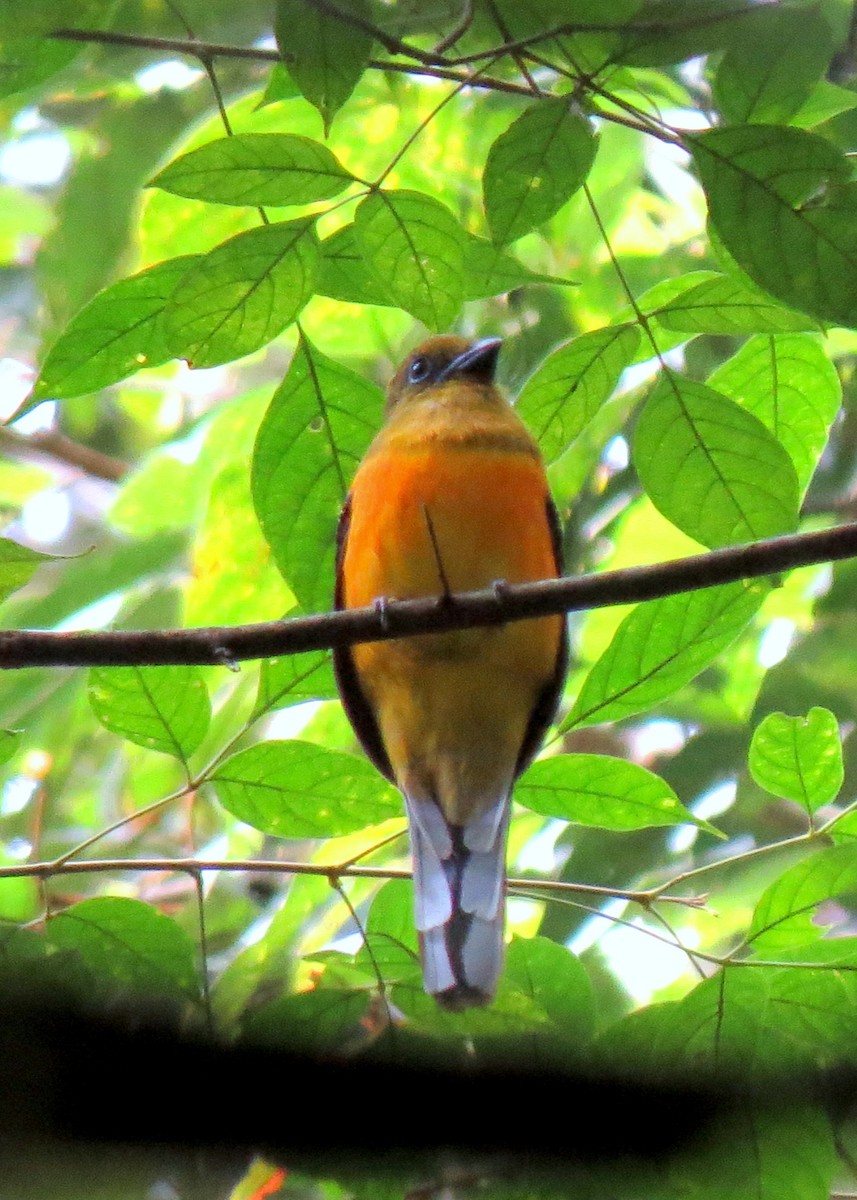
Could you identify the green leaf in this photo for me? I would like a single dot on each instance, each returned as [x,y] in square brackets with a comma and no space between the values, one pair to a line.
[537,164]
[256,169]
[672,31]
[768,78]
[825,101]
[129,943]
[296,789]
[595,789]
[320,1021]
[711,467]
[241,294]
[18,565]
[119,332]
[344,275]
[659,647]
[320,422]
[786,917]
[791,385]
[161,708]
[9,742]
[798,758]
[566,391]
[557,982]
[724,305]
[294,679]
[113,568]
[488,270]
[782,202]
[30,60]
[414,247]
[234,579]
[325,54]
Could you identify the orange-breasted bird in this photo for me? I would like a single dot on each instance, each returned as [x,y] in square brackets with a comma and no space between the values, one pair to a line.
[452,496]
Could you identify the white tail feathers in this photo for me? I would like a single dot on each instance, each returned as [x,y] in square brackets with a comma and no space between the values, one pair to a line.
[459,901]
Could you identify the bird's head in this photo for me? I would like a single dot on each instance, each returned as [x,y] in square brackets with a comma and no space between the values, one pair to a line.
[444,360]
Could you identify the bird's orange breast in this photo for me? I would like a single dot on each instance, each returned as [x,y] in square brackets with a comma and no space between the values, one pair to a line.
[486,510]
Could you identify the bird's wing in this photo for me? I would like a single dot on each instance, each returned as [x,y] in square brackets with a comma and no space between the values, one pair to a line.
[357,707]
[548,698]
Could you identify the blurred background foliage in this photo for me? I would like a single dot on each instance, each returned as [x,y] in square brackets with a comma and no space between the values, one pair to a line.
[136,486]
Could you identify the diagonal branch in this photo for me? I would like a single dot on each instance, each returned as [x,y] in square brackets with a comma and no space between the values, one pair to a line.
[492,606]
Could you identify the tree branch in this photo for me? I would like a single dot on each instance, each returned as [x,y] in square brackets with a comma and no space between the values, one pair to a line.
[267,866]
[398,618]
[55,445]
[206,51]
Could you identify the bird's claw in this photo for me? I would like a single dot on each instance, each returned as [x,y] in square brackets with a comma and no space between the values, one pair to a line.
[381,604]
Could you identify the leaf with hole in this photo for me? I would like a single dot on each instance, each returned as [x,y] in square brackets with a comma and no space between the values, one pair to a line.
[119,332]
[320,422]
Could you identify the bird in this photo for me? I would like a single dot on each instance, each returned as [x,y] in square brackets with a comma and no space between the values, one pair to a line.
[452,496]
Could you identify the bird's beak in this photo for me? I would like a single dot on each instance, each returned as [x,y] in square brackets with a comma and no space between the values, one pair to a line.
[478,362]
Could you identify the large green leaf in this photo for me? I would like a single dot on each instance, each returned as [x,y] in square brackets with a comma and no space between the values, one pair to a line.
[119,332]
[299,790]
[786,917]
[711,467]
[414,247]
[768,78]
[595,789]
[241,294]
[569,387]
[325,54]
[783,203]
[488,270]
[129,943]
[724,305]
[790,384]
[319,424]
[659,647]
[535,166]
[161,708]
[798,758]
[258,169]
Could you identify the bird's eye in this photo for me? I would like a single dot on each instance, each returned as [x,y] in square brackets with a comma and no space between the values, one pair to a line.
[419,370]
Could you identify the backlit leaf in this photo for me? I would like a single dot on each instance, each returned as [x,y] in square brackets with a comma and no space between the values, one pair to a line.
[711,467]
[414,247]
[535,166]
[299,790]
[798,758]
[240,295]
[256,169]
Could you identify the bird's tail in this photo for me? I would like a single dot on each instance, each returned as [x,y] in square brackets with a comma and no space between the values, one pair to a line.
[459,901]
